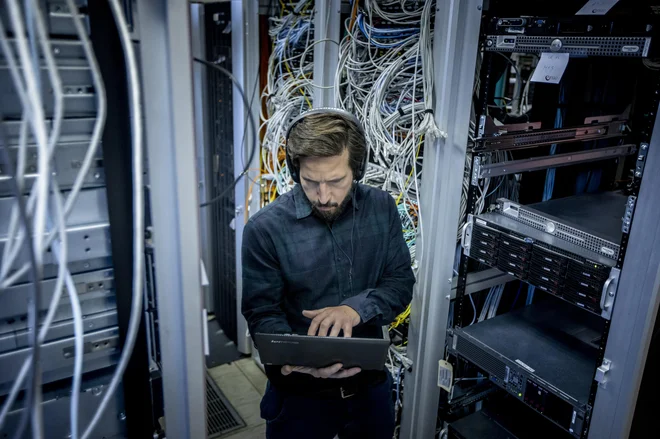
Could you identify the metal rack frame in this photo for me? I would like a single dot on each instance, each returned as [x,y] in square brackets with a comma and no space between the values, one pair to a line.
[455,44]
[165,49]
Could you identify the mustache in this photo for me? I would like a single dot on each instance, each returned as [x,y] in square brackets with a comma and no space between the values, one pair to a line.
[328,204]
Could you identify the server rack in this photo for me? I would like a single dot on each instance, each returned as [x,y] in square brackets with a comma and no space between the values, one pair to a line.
[98,240]
[557,246]
[219,49]
[622,139]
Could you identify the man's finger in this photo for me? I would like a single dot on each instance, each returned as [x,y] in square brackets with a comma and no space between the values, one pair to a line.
[314,326]
[326,372]
[335,329]
[286,370]
[325,325]
[346,373]
[348,329]
[310,314]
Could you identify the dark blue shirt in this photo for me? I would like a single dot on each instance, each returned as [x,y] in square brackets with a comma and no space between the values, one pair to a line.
[295,261]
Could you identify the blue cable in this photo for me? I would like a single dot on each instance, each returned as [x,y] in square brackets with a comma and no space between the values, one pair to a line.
[530,294]
[550,173]
[517,295]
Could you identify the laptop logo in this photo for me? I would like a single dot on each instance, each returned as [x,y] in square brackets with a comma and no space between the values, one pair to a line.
[284,342]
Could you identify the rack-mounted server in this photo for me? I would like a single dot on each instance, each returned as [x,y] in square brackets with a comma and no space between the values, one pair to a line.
[579,36]
[543,355]
[567,247]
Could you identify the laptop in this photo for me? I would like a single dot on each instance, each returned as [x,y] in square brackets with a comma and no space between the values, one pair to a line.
[313,351]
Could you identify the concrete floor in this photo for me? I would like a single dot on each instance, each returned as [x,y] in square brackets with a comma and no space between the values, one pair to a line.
[243,383]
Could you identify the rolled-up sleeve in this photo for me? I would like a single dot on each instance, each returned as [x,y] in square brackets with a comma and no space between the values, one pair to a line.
[263,287]
[393,293]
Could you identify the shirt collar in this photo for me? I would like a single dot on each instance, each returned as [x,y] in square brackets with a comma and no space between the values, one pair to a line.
[304,207]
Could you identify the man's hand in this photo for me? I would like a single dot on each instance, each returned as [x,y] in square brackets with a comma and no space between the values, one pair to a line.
[335,317]
[333,372]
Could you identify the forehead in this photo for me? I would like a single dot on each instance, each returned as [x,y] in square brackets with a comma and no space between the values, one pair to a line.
[325,167]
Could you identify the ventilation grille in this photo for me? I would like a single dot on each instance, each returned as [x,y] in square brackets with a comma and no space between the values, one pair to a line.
[631,47]
[526,139]
[480,357]
[221,416]
[575,236]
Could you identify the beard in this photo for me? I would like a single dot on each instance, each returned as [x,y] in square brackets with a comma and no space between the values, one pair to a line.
[331,215]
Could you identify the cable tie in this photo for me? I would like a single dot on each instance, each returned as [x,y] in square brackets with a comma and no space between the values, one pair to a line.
[401,111]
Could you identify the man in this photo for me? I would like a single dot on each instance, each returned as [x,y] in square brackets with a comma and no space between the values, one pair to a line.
[326,259]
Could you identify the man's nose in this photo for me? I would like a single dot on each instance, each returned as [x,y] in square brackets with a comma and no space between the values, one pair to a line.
[324,193]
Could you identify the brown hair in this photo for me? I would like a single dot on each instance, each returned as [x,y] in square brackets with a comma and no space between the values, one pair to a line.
[326,135]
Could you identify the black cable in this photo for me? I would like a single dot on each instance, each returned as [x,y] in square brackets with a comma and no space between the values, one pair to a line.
[254,92]
[255,134]
[33,311]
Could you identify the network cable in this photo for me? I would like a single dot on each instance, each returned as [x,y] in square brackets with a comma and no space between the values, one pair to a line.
[385,77]
[288,90]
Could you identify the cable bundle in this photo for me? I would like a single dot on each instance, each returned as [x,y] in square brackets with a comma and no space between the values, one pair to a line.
[288,90]
[385,77]
[40,223]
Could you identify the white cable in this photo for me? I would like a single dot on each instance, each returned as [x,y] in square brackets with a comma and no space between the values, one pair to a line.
[60,252]
[474,310]
[138,209]
[38,127]
[97,132]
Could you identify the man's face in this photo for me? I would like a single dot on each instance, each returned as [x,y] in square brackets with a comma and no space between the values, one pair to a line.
[327,182]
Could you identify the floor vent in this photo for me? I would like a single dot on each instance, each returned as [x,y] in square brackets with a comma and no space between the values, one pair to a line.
[221,418]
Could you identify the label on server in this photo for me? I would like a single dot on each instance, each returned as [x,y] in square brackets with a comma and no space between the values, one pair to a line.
[445,375]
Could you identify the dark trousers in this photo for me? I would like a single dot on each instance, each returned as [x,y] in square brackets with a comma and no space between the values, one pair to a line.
[366,415]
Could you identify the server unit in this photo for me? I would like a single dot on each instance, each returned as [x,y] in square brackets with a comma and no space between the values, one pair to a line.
[542,355]
[566,247]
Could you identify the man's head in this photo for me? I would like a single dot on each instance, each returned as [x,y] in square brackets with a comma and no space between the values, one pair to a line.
[327,150]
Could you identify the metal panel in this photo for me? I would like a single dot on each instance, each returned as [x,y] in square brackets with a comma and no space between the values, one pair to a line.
[168,103]
[554,161]
[630,47]
[13,319]
[635,309]
[89,249]
[66,164]
[97,355]
[94,322]
[245,54]
[57,404]
[86,284]
[79,97]
[90,208]
[71,130]
[204,155]
[454,55]
[327,24]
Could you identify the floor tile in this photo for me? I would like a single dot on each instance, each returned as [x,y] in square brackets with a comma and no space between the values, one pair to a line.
[258,432]
[253,373]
